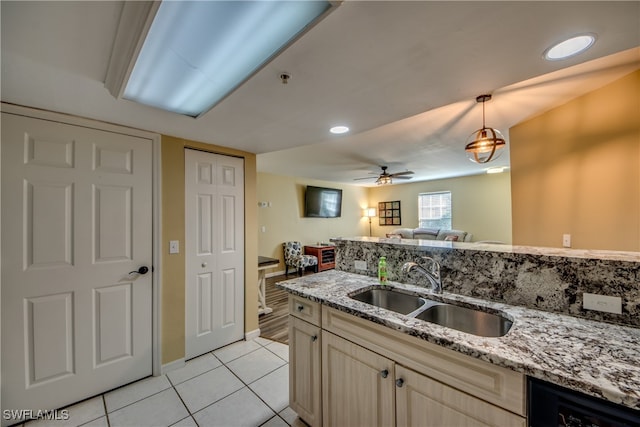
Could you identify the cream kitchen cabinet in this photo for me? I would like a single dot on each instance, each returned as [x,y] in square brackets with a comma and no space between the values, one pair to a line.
[372,375]
[423,401]
[357,385]
[304,360]
[362,388]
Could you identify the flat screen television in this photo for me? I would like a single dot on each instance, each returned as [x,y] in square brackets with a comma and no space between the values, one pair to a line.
[320,202]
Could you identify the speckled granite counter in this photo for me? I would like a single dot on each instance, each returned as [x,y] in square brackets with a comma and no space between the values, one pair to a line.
[596,358]
[549,279]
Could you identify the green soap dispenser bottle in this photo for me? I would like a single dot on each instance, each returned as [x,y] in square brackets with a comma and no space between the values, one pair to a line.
[382,271]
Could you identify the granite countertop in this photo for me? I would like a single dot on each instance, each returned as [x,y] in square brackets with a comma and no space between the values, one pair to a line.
[596,358]
[500,248]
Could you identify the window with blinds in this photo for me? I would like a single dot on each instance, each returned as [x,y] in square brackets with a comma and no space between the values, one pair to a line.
[434,210]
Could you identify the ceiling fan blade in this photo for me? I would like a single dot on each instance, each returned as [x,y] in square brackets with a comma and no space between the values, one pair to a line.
[366,177]
[402,173]
[402,177]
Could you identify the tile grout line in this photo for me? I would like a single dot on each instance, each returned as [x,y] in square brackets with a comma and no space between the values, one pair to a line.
[106,413]
[173,386]
[180,397]
[224,397]
[239,379]
[277,414]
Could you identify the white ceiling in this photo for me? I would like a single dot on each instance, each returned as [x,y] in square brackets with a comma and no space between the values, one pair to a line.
[402,75]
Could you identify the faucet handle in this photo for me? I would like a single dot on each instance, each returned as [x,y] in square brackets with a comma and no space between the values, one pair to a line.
[435,265]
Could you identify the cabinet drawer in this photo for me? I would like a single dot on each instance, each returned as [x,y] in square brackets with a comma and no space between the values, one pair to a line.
[497,385]
[305,309]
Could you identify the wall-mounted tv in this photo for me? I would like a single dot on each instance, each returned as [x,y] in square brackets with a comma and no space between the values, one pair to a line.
[320,202]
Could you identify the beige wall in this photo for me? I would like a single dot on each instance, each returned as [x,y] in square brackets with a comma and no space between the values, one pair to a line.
[576,170]
[173,228]
[481,204]
[285,221]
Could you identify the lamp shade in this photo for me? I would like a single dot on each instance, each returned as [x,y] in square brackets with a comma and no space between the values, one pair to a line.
[370,212]
[484,145]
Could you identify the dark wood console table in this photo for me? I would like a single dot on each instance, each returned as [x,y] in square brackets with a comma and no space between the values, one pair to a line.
[326,256]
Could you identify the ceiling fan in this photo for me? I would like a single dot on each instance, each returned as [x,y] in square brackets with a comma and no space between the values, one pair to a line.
[386,177]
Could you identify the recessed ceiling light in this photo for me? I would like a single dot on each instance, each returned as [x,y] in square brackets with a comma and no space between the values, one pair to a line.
[496,169]
[570,47]
[339,129]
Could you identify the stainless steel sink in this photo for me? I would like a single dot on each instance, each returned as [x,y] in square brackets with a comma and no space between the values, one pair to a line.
[390,300]
[467,320]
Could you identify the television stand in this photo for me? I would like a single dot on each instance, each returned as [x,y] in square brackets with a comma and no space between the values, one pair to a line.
[326,256]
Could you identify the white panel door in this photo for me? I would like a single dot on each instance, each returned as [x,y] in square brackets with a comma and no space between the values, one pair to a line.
[214,251]
[76,220]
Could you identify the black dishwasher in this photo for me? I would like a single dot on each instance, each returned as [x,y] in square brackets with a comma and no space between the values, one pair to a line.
[551,406]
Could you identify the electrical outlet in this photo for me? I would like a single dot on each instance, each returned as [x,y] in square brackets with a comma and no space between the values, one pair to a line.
[603,303]
[174,246]
[566,240]
[360,265]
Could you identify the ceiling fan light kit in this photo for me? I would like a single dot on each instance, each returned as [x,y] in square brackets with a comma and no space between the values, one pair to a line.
[387,178]
[484,144]
[384,180]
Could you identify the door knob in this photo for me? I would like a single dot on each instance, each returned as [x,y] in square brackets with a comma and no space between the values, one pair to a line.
[142,270]
[204,264]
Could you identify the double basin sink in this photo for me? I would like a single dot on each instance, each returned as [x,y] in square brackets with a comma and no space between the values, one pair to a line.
[469,320]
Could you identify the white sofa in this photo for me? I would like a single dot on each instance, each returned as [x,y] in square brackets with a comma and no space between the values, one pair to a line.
[431,234]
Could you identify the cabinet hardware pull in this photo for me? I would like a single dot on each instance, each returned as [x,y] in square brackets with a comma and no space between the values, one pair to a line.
[384,373]
[399,382]
[314,338]
[300,307]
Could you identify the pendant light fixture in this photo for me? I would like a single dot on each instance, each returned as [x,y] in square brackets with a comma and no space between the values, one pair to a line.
[485,144]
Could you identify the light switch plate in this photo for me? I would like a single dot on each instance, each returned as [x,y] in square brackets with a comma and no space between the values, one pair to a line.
[174,246]
[360,265]
[603,303]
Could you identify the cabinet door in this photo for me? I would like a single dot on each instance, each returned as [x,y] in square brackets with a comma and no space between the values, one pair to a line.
[357,385]
[422,401]
[304,370]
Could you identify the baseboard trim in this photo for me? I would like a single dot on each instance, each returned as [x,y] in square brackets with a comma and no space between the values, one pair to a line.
[252,335]
[172,366]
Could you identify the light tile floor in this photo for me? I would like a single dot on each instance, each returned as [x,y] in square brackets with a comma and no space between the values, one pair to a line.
[242,384]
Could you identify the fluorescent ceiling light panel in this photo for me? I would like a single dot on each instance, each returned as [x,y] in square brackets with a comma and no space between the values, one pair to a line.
[198,52]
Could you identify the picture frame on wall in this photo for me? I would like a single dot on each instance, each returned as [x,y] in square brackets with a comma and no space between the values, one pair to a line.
[389,213]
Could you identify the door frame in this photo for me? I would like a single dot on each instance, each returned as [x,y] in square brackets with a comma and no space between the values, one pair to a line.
[156,203]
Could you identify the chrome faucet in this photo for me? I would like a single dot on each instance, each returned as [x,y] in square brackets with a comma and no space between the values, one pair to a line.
[432,274]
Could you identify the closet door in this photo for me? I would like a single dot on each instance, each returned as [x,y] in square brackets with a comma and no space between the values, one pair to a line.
[214,251]
[76,220]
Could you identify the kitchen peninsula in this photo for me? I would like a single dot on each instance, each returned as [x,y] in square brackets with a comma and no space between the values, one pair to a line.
[533,287]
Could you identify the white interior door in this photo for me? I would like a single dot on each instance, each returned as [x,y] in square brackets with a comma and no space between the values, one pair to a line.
[214,251]
[77,218]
